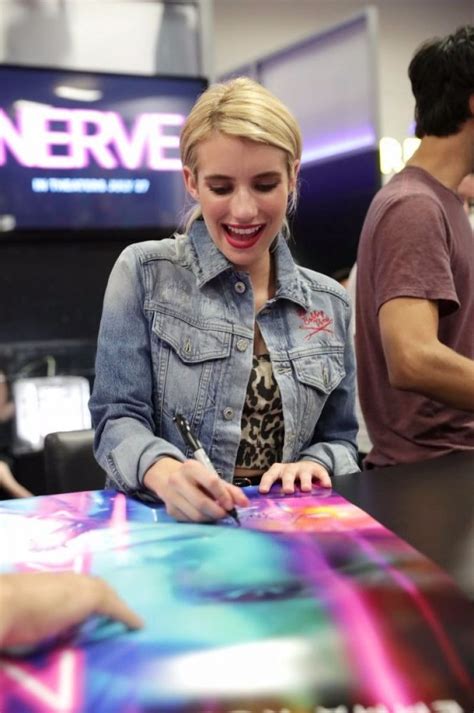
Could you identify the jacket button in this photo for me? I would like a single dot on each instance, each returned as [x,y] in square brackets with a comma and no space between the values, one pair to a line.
[240,288]
[228,413]
[242,344]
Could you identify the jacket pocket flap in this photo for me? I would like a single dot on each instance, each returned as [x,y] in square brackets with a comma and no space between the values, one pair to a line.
[323,370]
[193,343]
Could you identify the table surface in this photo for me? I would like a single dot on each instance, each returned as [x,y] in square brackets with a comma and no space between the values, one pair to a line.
[429,504]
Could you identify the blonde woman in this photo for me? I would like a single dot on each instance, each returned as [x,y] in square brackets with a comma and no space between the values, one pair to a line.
[220,325]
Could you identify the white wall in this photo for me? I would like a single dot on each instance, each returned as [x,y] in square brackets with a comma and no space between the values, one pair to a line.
[248,29]
[136,36]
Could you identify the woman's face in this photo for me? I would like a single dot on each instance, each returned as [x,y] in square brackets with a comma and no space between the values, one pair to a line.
[242,187]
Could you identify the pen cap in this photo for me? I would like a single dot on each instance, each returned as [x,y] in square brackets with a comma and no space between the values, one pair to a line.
[186,434]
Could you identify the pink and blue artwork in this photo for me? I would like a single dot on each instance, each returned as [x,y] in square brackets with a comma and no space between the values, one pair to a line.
[310,607]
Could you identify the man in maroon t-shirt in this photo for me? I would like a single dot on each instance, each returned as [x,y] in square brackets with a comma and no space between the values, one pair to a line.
[415,278]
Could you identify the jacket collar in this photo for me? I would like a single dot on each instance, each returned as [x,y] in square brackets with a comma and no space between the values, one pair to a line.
[209,262]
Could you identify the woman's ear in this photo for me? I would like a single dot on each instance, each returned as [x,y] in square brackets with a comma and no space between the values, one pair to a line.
[190,183]
[294,176]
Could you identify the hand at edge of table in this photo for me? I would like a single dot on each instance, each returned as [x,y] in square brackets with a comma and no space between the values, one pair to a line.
[35,606]
[306,472]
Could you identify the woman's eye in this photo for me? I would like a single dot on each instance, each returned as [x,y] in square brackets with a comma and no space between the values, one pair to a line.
[265,187]
[220,190]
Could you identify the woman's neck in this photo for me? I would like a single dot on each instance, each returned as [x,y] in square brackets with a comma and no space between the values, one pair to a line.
[262,277]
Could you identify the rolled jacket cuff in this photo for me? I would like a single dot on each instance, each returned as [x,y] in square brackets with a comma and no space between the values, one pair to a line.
[128,471]
[337,458]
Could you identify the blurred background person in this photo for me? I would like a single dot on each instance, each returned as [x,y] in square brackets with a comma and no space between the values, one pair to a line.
[9,486]
[466,191]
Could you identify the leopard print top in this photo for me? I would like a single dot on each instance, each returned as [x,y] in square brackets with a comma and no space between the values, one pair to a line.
[261,442]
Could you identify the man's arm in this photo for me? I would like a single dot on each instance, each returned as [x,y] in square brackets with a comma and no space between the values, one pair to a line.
[417,360]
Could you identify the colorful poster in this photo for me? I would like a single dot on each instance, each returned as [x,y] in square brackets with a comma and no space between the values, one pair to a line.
[310,607]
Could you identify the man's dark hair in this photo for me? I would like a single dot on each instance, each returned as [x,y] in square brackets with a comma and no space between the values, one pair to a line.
[442,80]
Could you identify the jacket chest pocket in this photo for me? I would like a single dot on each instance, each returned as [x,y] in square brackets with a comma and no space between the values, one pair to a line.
[188,362]
[317,373]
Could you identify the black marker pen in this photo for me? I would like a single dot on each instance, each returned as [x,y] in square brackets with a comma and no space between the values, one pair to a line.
[199,453]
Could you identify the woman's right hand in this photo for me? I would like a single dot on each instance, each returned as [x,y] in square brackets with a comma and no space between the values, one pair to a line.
[191,492]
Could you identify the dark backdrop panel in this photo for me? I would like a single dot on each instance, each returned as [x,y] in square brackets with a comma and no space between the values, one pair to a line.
[53,290]
[51,294]
[334,198]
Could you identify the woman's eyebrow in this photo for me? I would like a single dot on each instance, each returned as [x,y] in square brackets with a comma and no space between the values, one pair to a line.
[269,174]
[218,177]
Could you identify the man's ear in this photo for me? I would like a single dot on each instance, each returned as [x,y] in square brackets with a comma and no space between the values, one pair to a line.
[190,183]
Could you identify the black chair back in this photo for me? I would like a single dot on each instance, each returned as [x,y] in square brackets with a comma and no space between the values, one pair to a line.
[69,462]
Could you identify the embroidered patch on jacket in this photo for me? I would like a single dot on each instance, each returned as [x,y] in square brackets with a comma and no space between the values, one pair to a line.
[315,322]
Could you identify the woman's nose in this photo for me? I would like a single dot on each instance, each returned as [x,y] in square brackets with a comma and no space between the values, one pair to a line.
[244,207]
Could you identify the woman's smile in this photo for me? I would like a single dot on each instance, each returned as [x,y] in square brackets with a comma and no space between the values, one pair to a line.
[243,237]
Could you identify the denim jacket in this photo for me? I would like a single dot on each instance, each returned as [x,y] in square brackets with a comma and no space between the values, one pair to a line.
[176,336]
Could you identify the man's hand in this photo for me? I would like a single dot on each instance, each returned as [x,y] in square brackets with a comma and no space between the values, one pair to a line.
[36,606]
[305,471]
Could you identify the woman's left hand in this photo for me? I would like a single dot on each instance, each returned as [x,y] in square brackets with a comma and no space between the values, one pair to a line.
[306,472]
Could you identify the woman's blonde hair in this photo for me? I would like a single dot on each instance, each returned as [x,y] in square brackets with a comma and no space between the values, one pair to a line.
[242,108]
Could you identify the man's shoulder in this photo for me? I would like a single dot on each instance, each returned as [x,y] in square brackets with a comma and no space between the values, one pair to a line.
[410,189]
[400,203]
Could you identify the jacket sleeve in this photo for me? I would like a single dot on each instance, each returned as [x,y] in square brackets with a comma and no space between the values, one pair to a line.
[122,400]
[334,441]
